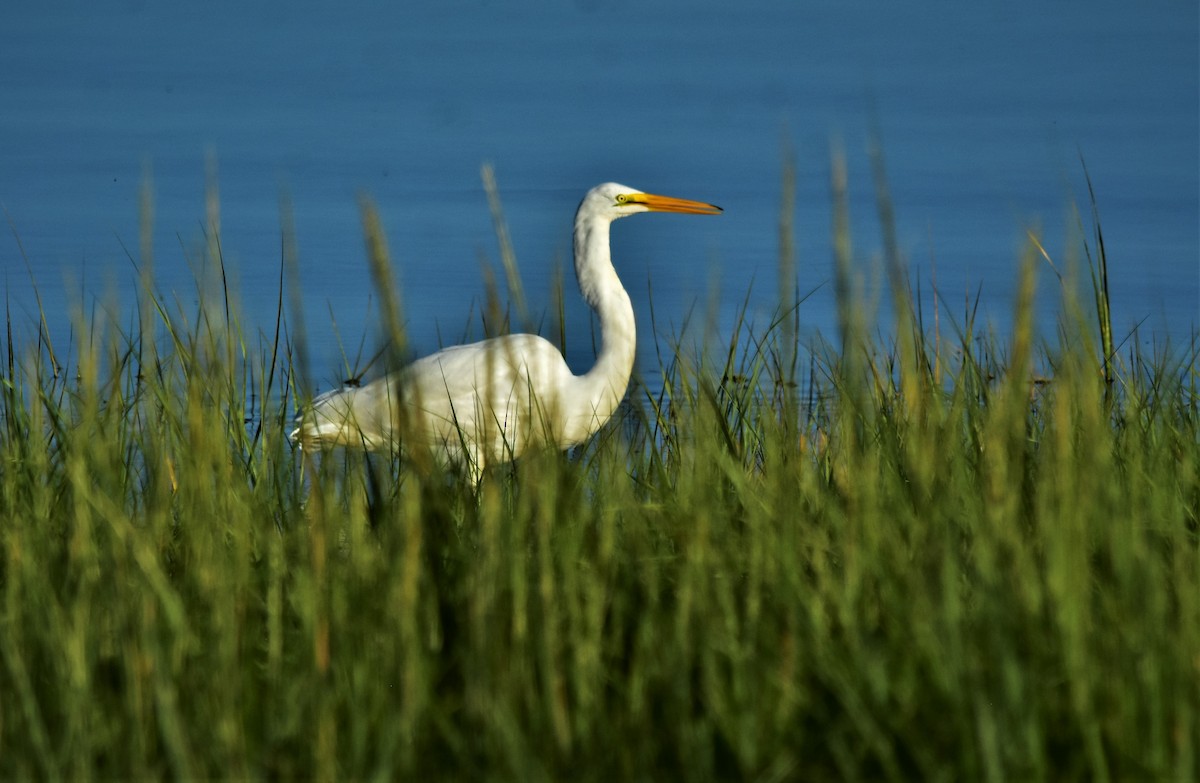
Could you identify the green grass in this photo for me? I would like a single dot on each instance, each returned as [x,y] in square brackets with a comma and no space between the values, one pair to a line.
[935,558]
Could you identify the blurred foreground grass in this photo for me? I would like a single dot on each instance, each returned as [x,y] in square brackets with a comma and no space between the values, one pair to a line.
[954,559]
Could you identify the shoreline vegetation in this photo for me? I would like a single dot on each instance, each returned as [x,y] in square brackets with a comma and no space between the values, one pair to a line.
[934,556]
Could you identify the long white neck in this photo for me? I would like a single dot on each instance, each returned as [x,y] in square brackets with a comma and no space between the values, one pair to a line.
[604,385]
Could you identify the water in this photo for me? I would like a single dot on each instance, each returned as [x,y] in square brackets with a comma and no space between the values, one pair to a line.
[984,112]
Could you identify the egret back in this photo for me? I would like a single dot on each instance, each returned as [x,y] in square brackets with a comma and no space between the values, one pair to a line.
[480,403]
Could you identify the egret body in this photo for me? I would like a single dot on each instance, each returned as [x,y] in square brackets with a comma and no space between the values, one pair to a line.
[490,401]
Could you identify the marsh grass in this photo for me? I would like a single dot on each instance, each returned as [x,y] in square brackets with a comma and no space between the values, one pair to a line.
[947,558]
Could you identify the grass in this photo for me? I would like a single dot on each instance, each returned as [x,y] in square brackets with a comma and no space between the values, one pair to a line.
[942,557]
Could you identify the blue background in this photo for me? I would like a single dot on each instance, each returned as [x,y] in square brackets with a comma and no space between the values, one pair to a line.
[984,111]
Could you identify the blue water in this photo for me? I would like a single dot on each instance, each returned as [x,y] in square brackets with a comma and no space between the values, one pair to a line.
[984,111]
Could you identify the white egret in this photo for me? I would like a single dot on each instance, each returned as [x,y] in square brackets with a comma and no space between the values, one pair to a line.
[490,401]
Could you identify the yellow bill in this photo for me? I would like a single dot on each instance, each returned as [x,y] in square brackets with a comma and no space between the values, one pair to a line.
[670,204]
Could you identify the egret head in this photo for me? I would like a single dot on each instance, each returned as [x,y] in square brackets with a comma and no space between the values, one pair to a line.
[613,201]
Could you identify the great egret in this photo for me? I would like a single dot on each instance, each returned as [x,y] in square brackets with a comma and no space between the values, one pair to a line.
[490,401]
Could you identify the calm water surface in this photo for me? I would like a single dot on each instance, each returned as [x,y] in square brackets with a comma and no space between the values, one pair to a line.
[984,111]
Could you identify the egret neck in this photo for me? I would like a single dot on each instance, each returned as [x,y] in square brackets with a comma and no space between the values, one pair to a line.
[605,383]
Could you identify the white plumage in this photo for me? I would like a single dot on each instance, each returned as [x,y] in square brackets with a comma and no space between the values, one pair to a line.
[490,401]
